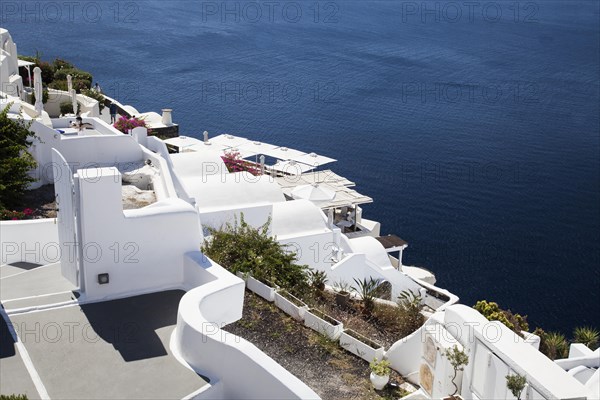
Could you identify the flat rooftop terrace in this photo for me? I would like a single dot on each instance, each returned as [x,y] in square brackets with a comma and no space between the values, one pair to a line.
[111,350]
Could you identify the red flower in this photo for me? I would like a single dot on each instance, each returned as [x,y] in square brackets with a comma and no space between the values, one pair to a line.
[28,211]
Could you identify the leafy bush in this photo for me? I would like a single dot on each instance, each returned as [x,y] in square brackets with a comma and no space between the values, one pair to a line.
[242,248]
[45,96]
[13,397]
[66,107]
[61,64]
[76,74]
[409,312]
[15,161]
[493,312]
[96,96]
[78,84]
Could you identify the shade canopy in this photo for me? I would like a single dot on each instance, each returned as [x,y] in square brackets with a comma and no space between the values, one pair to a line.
[313,159]
[316,193]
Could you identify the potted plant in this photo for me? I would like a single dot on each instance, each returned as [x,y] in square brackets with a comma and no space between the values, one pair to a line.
[516,384]
[342,295]
[458,359]
[380,373]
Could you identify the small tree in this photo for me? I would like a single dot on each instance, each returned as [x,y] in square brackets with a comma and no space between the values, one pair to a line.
[458,359]
[15,161]
[516,384]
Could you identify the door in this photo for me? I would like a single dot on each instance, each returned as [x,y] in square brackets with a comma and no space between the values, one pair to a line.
[64,188]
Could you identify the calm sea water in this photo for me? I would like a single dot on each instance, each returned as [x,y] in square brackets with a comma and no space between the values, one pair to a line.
[474,128]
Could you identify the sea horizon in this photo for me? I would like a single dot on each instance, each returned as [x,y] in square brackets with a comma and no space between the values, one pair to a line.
[476,135]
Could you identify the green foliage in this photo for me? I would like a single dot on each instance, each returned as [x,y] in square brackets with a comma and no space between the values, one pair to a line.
[59,64]
[554,345]
[342,286]
[66,107]
[516,384]
[317,279]
[76,74]
[381,368]
[586,335]
[96,96]
[493,312]
[459,360]
[13,397]
[367,289]
[45,96]
[242,248]
[409,312]
[15,161]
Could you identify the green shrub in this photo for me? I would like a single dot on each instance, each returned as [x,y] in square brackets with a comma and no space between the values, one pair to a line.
[96,96]
[493,312]
[242,248]
[61,64]
[554,345]
[66,107]
[15,161]
[13,397]
[381,368]
[586,335]
[76,74]
[45,96]
[409,312]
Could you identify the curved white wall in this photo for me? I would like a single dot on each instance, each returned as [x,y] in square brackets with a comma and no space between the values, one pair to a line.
[240,368]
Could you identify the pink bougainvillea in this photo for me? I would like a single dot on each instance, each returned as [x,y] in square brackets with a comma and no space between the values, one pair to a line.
[235,163]
[125,124]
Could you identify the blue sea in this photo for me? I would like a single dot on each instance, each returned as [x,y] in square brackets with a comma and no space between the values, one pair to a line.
[474,126]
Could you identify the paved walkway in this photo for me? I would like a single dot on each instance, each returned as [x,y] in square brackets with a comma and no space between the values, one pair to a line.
[111,350]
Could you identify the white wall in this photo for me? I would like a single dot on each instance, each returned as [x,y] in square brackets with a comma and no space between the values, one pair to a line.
[211,351]
[34,241]
[141,249]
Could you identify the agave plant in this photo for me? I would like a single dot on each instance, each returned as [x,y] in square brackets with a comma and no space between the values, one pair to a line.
[556,345]
[317,279]
[587,335]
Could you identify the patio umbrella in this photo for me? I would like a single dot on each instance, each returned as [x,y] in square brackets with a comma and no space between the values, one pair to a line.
[73,94]
[69,84]
[315,193]
[37,88]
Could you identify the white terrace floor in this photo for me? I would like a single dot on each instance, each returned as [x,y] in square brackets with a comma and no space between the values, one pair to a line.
[109,350]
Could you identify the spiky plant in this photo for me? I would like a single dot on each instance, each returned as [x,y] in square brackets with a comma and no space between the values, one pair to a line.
[556,345]
[367,289]
[587,335]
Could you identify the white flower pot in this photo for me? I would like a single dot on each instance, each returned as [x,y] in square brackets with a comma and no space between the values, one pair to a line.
[379,381]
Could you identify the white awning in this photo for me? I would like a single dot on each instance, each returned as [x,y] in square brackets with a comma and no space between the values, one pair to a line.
[291,167]
[23,63]
[313,159]
[183,141]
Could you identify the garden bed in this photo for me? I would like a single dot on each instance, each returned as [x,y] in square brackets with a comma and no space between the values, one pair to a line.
[319,362]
